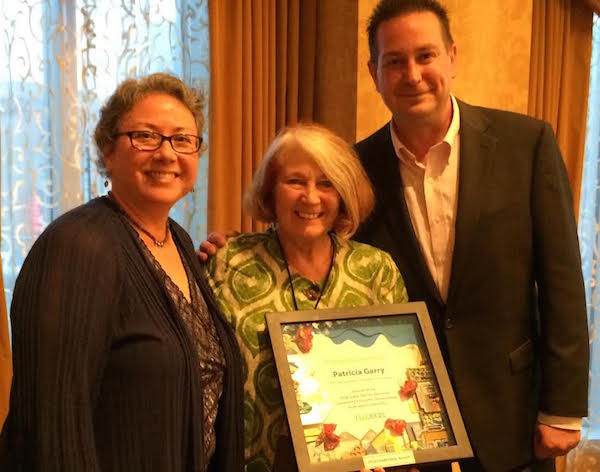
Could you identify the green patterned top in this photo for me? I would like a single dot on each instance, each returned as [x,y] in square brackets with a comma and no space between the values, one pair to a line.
[249,278]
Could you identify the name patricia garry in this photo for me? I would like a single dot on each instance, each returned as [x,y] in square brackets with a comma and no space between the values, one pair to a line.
[353,372]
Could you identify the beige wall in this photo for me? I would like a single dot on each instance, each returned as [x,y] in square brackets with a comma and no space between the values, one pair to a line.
[371,113]
[493,39]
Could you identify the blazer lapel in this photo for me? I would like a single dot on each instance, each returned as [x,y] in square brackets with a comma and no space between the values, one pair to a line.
[476,148]
[390,193]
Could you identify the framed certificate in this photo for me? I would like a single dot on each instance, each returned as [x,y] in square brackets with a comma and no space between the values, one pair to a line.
[366,387]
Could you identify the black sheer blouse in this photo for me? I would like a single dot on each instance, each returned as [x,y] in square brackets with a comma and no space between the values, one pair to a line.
[208,347]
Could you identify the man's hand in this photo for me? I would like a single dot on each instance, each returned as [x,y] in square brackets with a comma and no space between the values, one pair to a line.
[551,442]
[209,247]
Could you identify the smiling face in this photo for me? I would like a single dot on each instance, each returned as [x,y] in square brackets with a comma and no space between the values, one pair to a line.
[414,68]
[147,179]
[305,201]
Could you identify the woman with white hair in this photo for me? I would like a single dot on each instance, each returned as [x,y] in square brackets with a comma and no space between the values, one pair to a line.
[313,191]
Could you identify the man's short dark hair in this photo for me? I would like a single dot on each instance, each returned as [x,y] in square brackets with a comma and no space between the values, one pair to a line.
[388,9]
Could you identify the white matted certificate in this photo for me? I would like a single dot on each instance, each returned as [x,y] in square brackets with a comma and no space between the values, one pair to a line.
[366,387]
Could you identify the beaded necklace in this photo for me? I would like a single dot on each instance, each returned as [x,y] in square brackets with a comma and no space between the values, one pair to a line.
[157,242]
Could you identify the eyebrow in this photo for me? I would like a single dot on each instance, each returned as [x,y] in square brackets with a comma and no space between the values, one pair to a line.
[424,47]
[291,173]
[178,130]
[428,47]
[298,173]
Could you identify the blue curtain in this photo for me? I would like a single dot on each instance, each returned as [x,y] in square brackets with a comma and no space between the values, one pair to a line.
[59,61]
[589,232]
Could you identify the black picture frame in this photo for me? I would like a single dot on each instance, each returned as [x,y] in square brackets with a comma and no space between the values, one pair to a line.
[435,431]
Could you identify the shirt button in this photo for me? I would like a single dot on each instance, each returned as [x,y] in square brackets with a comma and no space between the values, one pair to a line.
[449,323]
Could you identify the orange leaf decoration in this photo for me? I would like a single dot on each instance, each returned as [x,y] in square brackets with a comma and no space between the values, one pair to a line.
[396,427]
[303,338]
[408,389]
[328,437]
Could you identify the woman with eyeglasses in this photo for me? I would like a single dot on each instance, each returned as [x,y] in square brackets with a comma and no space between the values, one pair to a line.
[122,360]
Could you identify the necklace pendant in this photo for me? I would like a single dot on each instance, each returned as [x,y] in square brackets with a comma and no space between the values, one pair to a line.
[312,292]
[158,243]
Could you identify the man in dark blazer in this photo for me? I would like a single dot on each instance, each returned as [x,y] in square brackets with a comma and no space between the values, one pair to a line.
[475,207]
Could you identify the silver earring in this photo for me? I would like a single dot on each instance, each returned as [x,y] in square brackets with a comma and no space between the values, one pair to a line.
[105,183]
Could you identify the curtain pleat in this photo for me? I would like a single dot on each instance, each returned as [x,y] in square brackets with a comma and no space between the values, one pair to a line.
[283,62]
[227,57]
[561,45]
[307,54]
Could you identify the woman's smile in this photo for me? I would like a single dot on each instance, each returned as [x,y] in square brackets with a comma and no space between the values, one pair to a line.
[306,202]
[309,215]
[161,176]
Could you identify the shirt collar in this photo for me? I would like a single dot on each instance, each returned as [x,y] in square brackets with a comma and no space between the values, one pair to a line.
[450,138]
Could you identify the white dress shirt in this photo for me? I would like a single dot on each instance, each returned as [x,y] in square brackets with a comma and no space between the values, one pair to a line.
[430,190]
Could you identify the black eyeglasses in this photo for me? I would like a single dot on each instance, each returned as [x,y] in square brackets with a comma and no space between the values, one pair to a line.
[151,141]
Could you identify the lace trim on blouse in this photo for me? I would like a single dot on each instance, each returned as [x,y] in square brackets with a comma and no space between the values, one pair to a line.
[202,331]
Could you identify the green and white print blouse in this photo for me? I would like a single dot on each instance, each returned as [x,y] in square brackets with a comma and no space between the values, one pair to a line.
[249,278]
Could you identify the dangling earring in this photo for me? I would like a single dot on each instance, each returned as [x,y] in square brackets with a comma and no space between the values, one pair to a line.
[192,190]
[105,183]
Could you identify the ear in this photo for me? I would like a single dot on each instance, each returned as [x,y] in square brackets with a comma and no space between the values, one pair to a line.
[108,156]
[453,61]
[373,71]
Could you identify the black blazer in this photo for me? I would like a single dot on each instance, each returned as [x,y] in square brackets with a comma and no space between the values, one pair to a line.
[514,328]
